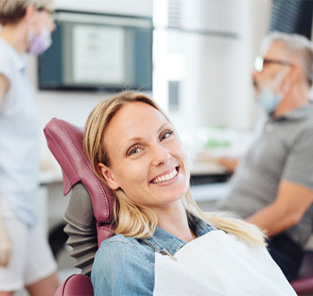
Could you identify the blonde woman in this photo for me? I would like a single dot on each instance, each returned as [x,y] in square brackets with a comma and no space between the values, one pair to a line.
[163,243]
[25,257]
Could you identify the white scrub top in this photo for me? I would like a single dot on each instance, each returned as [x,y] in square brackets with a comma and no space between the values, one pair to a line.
[19,143]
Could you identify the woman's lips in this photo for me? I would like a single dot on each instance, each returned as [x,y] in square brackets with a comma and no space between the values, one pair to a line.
[166,177]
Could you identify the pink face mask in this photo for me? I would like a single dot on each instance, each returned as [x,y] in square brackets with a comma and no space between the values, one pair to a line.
[39,43]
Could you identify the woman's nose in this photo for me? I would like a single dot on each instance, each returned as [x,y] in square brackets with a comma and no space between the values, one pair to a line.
[160,155]
[52,25]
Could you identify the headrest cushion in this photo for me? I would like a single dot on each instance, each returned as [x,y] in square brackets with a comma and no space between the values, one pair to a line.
[65,141]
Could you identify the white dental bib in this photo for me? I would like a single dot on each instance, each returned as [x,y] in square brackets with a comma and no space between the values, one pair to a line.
[219,264]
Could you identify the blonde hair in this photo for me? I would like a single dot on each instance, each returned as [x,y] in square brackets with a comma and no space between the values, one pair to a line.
[11,11]
[135,220]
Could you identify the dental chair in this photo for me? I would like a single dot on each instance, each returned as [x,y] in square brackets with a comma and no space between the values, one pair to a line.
[90,210]
[303,285]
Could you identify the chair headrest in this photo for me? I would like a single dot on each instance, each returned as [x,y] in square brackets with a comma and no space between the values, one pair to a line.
[65,141]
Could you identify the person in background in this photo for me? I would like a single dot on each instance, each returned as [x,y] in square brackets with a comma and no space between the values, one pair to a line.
[25,257]
[272,186]
[163,243]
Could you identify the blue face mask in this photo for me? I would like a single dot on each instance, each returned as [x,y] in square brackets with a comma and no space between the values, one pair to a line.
[268,100]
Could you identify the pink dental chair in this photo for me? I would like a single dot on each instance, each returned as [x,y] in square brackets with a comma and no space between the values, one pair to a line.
[90,210]
[303,285]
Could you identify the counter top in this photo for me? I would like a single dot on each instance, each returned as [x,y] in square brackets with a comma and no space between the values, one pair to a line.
[50,176]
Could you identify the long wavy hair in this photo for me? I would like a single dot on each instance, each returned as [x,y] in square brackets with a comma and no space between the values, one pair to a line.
[135,220]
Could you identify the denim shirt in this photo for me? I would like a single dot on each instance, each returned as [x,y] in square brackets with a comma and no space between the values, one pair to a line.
[125,265]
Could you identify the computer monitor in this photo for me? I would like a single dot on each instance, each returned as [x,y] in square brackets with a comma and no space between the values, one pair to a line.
[93,51]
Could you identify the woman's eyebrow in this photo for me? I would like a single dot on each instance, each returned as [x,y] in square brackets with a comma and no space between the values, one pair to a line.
[133,139]
[162,126]
[139,138]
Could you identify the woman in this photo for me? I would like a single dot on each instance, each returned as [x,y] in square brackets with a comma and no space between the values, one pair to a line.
[25,258]
[164,244]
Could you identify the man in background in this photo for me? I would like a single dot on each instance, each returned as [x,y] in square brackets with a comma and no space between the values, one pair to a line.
[272,186]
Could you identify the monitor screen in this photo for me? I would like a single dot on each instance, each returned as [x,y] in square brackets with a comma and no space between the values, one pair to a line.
[92,51]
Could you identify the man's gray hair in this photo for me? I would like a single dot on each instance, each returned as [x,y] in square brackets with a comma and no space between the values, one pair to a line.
[298,46]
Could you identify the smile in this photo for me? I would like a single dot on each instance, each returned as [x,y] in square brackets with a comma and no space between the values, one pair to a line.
[165,178]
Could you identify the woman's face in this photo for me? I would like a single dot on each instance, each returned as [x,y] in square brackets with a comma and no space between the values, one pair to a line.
[45,20]
[147,157]
[42,18]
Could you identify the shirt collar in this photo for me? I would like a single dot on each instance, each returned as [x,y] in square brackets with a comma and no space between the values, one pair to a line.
[19,60]
[299,113]
[162,239]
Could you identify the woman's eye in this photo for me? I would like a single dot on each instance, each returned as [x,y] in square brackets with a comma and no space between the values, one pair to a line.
[166,135]
[134,150]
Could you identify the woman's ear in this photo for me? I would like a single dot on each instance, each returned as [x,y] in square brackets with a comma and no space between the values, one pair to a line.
[108,176]
[31,18]
[30,12]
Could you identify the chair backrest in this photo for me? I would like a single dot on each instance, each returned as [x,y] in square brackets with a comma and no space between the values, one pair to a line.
[66,144]
[65,141]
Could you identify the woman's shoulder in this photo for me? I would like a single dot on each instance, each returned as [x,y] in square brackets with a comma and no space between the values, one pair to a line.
[122,248]
[6,65]
[116,244]
[118,241]
[121,265]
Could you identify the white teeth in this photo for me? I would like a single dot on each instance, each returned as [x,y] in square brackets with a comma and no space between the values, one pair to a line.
[166,177]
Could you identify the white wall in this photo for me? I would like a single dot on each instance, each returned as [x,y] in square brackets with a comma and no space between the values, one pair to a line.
[130,7]
[228,94]
[213,70]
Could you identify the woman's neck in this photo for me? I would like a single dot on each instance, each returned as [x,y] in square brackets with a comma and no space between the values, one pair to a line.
[16,36]
[174,220]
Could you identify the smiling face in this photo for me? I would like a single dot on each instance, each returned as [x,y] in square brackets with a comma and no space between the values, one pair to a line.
[147,159]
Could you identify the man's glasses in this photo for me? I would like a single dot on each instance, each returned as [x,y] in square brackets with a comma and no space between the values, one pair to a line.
[260,62]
